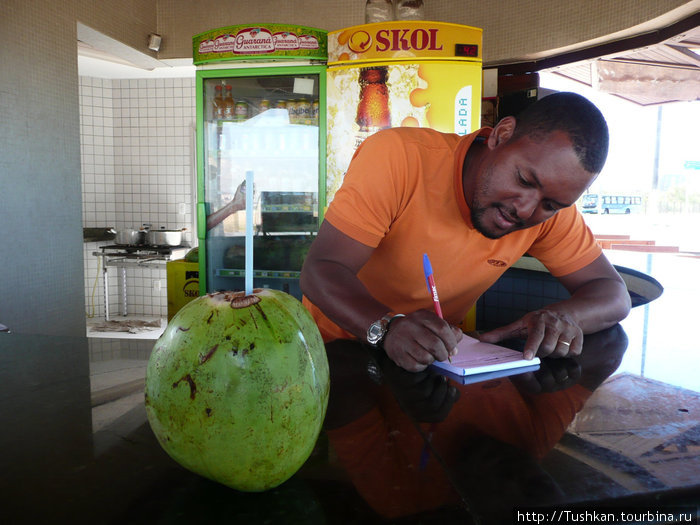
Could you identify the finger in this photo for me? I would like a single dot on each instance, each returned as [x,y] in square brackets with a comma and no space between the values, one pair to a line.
[515,329]
[423,389]
[567,346]
[438,394]
[563,373]
[560,375]
[528,382]
[535,338]
[424,354]
[405,359]
[410,364]
[424,336]
[448,336]
[457,332]
[438,348]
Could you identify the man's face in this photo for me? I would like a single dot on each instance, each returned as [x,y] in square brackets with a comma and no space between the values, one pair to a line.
[521,183]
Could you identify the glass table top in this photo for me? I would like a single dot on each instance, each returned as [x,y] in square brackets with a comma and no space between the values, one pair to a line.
[396,446]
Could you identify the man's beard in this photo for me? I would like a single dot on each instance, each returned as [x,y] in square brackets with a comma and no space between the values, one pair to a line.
[479,222]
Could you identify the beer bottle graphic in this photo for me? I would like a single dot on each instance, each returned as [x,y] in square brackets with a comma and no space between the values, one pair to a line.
[373,111]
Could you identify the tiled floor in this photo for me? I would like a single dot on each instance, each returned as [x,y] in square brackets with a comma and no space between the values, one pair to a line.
[117,380]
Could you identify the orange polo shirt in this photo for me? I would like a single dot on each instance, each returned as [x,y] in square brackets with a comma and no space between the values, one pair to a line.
[403,196]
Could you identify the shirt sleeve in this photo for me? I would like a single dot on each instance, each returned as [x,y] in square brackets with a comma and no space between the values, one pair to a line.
[370,197]
[565,243]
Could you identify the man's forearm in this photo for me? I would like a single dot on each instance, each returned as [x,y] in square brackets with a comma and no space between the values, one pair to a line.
[597,305]
[341,296]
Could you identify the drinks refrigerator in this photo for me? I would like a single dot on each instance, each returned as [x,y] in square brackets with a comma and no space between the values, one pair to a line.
[260,114]
[401,73]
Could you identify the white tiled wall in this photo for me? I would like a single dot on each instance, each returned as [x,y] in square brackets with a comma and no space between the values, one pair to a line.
[137,147]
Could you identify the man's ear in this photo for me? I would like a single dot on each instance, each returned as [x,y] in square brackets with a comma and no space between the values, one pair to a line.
[502,132]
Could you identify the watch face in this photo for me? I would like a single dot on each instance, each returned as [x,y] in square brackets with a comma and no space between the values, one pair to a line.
[375,332]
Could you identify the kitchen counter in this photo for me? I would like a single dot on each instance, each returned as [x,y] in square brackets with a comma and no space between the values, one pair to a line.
[396,447]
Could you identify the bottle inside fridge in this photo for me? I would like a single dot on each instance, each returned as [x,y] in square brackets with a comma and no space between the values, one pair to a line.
[229,103]
[217,103]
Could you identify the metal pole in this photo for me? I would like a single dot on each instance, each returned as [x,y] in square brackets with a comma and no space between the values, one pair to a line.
[105,283]
[123,269]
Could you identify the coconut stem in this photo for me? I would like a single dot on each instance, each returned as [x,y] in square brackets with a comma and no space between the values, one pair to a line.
[238,299]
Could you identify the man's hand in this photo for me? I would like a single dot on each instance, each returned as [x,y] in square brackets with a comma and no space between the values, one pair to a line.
[415,341]
[552,376]
[547,332]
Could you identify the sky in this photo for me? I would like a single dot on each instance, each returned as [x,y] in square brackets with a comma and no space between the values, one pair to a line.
[630,164]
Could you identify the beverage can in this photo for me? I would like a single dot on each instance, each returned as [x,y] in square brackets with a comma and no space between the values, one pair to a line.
[264,105]
[304,112]
[292,109]
[241,112]
[314,112]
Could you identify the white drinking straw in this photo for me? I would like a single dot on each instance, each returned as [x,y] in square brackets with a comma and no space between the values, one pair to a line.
[248,232]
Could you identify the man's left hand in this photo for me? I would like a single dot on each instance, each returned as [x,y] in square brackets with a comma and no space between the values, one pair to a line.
[547,333]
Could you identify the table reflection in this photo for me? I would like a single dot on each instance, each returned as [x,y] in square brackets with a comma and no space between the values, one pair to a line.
[413,442]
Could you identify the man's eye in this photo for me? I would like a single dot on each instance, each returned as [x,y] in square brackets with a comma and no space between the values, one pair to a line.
[523,181]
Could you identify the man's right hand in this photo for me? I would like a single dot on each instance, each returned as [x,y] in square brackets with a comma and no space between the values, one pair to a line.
[415,341]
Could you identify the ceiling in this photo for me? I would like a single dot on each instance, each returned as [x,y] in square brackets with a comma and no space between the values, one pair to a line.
[104,57]
[657,67]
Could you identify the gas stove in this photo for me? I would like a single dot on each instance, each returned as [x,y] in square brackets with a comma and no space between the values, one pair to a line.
[128,256]
[144,251]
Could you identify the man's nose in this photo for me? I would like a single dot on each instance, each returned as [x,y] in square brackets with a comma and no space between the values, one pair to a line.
[526,205]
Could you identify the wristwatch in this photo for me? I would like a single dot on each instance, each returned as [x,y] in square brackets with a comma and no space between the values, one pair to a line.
[378,329]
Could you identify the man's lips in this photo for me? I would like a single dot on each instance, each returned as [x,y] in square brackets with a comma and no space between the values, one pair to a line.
[505,220]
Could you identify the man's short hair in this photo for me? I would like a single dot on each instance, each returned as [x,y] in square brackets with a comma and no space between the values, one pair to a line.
[573,114]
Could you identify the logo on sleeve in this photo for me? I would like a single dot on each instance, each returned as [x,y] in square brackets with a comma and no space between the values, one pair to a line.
[497,263]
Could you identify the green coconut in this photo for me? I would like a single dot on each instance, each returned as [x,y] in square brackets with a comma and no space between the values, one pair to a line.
[237,388]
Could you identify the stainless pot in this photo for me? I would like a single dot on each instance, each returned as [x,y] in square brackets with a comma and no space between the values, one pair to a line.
[130,237]
[164,237]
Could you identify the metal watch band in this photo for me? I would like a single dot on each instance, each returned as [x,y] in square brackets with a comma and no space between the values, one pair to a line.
[378,329]
[389,318]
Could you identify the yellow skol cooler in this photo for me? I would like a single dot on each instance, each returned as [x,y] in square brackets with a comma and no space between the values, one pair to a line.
[183,284]
[401,73]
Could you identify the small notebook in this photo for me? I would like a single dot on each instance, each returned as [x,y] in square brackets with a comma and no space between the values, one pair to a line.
[475,357]
[485,376]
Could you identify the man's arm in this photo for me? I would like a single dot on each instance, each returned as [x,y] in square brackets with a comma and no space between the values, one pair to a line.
[236,204]
[329,280]
[599,299]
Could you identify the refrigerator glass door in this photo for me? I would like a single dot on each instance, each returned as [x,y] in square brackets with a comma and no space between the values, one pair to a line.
[268,124]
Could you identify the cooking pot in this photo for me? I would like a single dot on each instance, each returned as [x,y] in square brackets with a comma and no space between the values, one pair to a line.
[164,237]
[130,237]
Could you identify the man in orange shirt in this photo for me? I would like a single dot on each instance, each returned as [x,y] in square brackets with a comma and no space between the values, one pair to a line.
[475,205]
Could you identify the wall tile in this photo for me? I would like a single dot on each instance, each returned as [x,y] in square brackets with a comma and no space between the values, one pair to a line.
[136,163]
